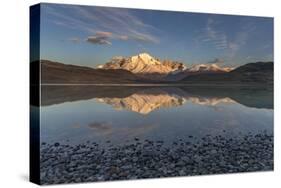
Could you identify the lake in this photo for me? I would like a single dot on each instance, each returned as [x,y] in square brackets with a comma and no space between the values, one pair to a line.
[97,133]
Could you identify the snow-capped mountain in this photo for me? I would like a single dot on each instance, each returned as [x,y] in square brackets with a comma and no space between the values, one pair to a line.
[144,64]
[148,66]
[208,68]
[198,69]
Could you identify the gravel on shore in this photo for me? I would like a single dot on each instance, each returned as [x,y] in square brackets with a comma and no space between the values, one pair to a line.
[62,163]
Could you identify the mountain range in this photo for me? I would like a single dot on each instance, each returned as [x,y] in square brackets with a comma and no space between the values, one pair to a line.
[143,68]
[145,65]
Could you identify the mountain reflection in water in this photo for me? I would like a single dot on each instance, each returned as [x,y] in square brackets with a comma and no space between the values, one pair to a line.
[145,103]
[144,100]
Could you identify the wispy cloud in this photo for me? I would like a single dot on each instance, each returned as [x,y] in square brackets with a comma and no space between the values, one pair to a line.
[268,45]
[121,23]
[240,38]
[74,40]
[216,35]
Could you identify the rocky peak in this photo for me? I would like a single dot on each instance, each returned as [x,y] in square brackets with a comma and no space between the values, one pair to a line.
[145,58]
[144,64]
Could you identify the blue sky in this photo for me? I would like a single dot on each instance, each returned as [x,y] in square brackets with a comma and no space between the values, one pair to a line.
[88,35]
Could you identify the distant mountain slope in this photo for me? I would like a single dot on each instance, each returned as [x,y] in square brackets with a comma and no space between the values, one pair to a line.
[258,73]
[59,73]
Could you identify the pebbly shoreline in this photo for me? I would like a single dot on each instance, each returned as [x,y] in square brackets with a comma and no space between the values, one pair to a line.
[62,163]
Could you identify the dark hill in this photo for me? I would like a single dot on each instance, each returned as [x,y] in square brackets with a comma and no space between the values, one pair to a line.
[59,73]
[254,67]
[251,73]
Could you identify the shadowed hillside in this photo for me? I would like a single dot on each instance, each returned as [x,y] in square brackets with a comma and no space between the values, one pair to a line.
[58,73]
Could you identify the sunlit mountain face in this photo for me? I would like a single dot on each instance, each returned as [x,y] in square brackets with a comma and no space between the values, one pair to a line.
[143,63]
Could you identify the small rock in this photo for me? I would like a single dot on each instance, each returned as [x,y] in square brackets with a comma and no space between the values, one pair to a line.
[56,144]
[213,151]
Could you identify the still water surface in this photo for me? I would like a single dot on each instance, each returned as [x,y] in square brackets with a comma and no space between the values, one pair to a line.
[77,114]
